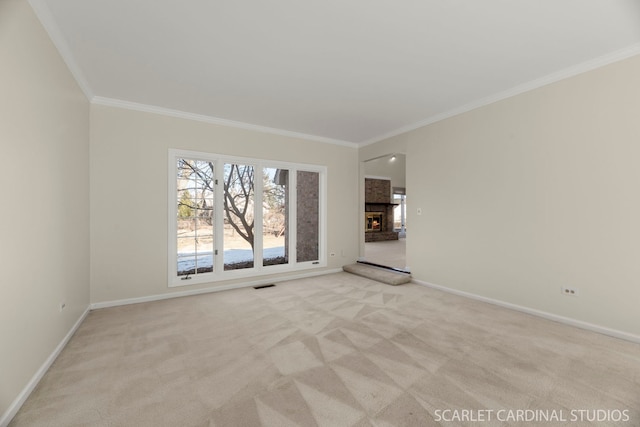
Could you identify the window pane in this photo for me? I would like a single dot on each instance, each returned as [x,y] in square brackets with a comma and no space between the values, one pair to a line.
[275,220]
[186,256]
[307,216]
[194,217]
[239,216]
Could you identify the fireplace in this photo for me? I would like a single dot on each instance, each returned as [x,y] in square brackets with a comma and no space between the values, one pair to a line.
[373,221]
[378,211]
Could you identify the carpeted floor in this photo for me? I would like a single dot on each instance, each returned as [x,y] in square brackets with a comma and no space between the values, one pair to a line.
[335,350]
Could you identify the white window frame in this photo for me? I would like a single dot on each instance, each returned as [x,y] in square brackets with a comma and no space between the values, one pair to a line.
[218,273]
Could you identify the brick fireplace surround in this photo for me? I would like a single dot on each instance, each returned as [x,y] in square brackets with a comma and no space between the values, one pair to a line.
[377,200]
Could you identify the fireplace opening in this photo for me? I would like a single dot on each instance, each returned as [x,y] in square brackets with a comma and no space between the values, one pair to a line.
[373,221]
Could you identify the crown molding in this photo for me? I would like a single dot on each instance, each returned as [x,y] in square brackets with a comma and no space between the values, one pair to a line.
[43,13]
[110,102]
[565,73]
[47,20]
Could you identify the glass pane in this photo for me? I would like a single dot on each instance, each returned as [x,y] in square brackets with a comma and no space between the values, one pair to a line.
[275,219]
[307,216]
[186,256]
[239,216]
[205,262]
[194,216]
[204,235]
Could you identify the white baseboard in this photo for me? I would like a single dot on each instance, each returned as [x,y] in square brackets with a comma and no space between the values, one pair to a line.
[549,316]
[31,385]
[179,294]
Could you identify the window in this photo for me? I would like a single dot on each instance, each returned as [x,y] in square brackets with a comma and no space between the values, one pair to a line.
[239,216]
[399,212]
[194,216]
[235,217]
[275,216]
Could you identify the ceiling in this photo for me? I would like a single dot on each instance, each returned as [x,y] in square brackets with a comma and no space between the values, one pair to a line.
[349,72]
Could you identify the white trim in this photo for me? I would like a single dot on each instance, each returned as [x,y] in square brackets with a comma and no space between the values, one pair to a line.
[545,315]
[47,20]
[383,178]
[127,105]
[575,70]
[31,385]
[179,294]
[322,219]
[293,219]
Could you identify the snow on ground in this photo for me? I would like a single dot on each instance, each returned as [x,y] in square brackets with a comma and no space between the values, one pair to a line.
[187,261]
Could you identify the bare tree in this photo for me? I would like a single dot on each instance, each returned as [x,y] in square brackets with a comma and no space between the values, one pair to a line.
[199,186]
[238,190]
[238,200]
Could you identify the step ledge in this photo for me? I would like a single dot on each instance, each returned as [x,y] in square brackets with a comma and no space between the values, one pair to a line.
[388,277]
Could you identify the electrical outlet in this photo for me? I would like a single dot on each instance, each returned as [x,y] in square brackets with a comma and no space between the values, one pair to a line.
[419,211]
[571,292]
[332,254]
[62,306]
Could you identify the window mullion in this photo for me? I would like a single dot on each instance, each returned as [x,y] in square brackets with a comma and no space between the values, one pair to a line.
[322,217]
[196,216]
[173,215]
[257,215]
[293,203]
[218,212]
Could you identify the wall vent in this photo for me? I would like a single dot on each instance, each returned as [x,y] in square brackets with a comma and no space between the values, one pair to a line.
[264,286]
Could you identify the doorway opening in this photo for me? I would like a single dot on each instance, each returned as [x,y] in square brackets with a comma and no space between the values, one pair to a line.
[385,204]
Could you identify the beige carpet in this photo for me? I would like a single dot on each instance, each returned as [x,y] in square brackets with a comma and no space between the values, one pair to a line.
[335,350]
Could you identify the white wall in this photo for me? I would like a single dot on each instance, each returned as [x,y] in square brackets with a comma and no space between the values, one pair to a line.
[533,193]
[129,152]
[395,169]
[44,220]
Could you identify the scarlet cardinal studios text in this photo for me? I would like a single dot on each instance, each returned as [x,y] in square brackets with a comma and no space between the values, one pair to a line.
[532,415]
